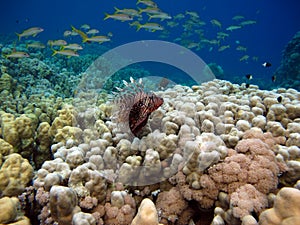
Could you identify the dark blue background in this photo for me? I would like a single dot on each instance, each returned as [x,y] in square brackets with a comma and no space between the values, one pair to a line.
[277,22]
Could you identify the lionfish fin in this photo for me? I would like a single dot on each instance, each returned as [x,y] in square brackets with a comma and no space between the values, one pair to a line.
[125,83]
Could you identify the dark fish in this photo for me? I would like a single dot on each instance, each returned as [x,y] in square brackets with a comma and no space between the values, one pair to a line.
[134,107]
[247,85]
[141,111]
[249,76]
[266,64]
[279,99]
[273,78]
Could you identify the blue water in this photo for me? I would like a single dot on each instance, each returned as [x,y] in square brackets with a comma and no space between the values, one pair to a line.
[277,22]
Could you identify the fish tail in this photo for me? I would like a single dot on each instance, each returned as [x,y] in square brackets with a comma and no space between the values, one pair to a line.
[138,27]
[150,17]
[54,51]
[137,24]
[19,36]
[139,10]
[81,33]
[5,56]
[106,16]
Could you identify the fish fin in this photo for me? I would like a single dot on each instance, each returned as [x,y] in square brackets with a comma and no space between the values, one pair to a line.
[106,16]
[19,36]
[117,10]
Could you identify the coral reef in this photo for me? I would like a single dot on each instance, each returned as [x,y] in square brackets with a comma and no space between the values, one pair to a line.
[288,72]
[218,152]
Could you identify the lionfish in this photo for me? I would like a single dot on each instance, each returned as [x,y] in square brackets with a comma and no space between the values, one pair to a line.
[134,105]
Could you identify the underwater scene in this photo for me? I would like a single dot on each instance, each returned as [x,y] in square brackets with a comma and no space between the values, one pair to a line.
[150,112]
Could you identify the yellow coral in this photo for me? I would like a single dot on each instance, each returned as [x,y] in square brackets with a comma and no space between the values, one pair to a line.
[15,174]
[5,148]
[9,129]
[67,133]
[66,118]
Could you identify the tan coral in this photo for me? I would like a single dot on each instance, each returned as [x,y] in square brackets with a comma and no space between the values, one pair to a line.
[86,181]
[53,172]
[8,209]
[15,174]
[63,204]
[83,218]
[286,209]
[10,212]
[147,214]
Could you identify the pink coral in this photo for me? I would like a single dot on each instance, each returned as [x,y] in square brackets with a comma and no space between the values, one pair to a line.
[171,204]
[121,214]
[247,199]
[205,195]
[257,166]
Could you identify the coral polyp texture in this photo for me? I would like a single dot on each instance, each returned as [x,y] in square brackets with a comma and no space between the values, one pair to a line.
[218,151]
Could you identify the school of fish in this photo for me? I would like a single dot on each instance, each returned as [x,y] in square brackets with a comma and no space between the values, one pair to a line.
[188,24]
